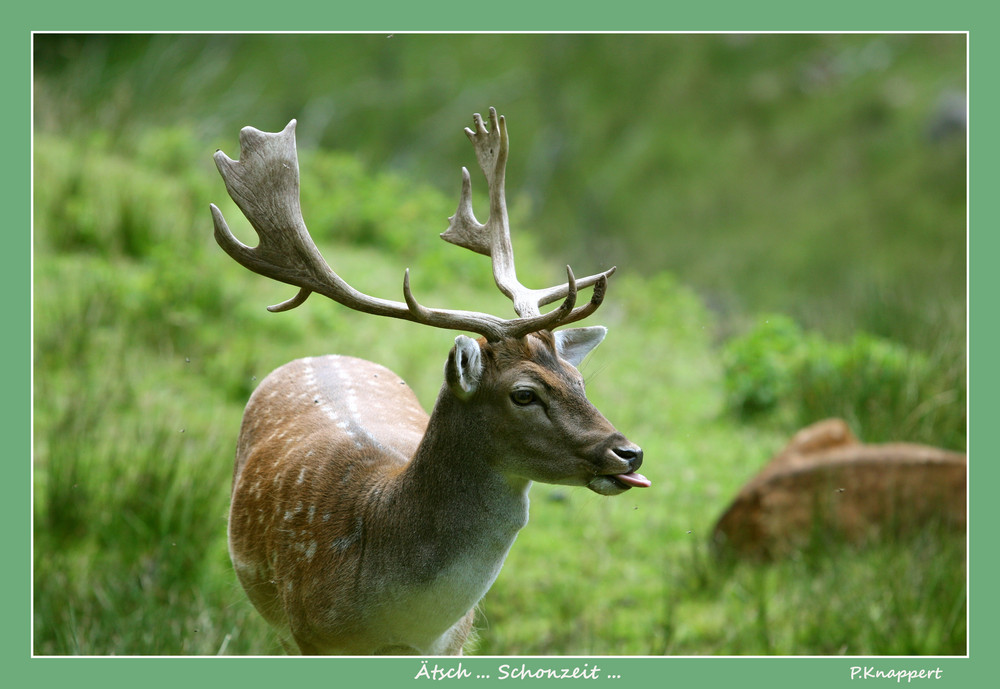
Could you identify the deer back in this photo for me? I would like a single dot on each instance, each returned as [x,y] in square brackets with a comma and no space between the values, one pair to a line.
[318,435]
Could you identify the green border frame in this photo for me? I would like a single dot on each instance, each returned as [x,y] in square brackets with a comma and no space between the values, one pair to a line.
[514,15]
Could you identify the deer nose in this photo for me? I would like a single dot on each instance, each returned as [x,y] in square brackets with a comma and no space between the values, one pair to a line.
[632,455]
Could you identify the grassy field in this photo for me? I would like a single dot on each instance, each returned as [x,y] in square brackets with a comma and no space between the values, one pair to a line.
[757,294]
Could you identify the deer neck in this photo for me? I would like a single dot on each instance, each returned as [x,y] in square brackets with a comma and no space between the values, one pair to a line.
[455,511]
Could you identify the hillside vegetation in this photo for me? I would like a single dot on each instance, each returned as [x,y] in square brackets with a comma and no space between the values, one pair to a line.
[729,327]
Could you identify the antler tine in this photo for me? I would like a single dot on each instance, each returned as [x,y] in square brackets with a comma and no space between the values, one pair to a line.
[547,296]
[492,238]
[596,299]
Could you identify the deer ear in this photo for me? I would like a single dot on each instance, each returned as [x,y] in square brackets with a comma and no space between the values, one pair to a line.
[464,367]
[575,344]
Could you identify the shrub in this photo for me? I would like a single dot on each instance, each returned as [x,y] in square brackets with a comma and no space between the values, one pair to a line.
[760,366]
[884,390]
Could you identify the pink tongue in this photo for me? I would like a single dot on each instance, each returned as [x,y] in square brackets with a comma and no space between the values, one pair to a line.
[634,479]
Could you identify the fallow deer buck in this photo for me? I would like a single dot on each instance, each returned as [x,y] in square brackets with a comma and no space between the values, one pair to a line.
[359,525]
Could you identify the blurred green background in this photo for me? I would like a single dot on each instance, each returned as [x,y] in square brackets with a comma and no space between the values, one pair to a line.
[788,214]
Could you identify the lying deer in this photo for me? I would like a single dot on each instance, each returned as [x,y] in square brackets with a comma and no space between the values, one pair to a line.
[358,524]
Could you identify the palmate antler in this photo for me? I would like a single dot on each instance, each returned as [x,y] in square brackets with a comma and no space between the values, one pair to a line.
[264,183]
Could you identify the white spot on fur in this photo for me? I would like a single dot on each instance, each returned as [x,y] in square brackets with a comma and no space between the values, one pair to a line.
[350,396]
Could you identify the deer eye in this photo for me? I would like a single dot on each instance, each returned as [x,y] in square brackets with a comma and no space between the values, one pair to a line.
[522,397]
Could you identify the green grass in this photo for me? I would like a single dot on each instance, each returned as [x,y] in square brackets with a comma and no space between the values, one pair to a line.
[148,340]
